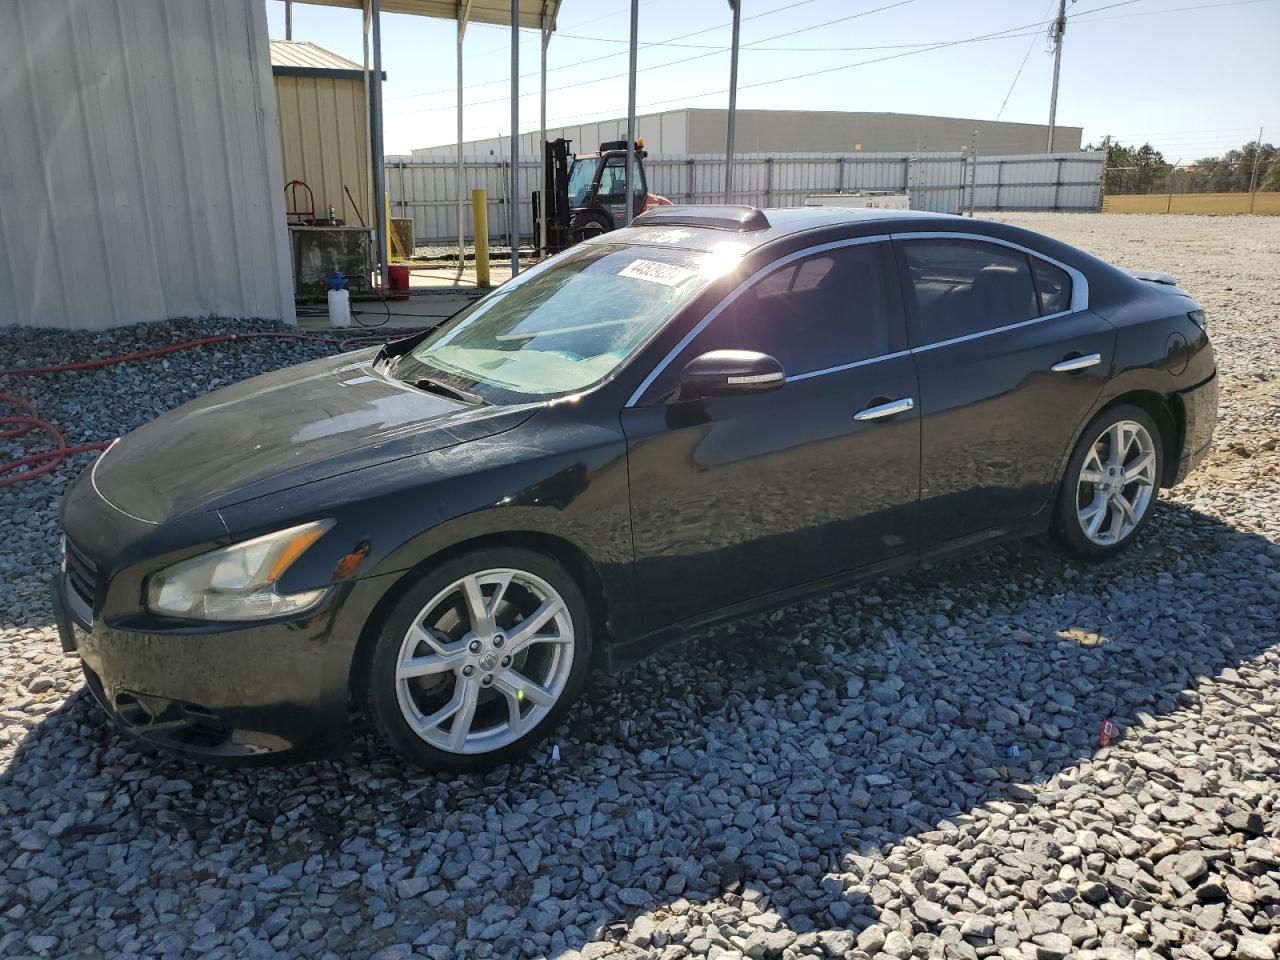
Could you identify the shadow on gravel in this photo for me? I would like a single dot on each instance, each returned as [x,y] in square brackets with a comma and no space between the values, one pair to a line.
[757,763]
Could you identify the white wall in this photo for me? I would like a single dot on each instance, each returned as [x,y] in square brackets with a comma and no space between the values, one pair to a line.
[140,163]
[427,190]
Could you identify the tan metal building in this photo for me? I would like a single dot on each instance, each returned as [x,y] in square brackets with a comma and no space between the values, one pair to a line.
[324,134]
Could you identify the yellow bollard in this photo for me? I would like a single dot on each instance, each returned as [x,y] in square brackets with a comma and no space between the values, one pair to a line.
[480,226]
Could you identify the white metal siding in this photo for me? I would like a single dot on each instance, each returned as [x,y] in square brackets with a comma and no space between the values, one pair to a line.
[426,190]
[140,163]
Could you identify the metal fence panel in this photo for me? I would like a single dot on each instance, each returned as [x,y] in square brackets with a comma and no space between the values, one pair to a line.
[427,190]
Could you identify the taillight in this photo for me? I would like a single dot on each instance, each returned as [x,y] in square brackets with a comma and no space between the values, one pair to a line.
[1197,317]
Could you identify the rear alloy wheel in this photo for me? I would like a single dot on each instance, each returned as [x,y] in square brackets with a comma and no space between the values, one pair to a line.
[1111,483]
[485,665]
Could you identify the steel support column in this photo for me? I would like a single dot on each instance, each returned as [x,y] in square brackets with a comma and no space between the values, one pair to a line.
[514,193]
[733,101]
[464,10]
[375,137]
[541,239]
[631,111]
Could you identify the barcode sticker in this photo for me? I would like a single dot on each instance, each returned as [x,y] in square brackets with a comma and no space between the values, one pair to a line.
[667,274]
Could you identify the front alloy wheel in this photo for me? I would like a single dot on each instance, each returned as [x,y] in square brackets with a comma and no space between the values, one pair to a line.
[484,661]
[485,665]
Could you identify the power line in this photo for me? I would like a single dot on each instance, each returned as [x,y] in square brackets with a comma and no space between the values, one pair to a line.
[536,37]
[1026,56]
[607,56]
[671,63]
[998,35]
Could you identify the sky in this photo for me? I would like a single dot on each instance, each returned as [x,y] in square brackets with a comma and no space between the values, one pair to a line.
[1193,77]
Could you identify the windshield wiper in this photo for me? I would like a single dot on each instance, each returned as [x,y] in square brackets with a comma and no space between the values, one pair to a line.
[444,390]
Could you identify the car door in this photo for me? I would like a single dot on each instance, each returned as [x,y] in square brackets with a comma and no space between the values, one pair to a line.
[733,497]
[1010,360]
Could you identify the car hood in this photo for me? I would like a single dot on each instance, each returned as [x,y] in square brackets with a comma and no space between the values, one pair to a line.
[277,431]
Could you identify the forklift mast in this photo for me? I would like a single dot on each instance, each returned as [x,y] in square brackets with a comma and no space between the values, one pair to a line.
[556,214]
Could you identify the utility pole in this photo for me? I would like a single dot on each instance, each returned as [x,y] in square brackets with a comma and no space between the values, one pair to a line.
[1253,177]
[1058,29]
[733,102]
[1257,155]
[973,171]
[288,20]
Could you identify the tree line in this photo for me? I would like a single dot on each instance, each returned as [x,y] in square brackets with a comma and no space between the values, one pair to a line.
[1144,170]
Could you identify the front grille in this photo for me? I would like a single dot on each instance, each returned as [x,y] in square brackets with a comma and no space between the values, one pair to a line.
[82,573]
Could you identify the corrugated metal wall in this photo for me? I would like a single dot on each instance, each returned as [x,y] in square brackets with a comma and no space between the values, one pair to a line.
[140,163]
[323,141]
[427,190]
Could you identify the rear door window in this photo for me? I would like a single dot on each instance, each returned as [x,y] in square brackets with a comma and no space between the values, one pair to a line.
[963,287]
[1053,286]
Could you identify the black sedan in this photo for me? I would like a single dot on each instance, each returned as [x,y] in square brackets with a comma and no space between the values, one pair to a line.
[714,411]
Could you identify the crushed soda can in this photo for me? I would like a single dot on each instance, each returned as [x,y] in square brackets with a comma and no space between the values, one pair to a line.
[1107,731]
[1011,751]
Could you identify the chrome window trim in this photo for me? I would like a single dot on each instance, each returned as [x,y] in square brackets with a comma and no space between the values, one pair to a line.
[1079,301]
[733,295]
[986,333]
[849,366]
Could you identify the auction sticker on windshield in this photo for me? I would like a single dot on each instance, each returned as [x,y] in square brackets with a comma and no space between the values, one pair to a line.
[667,274]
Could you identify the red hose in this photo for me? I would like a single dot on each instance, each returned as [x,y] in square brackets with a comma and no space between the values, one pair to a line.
[31,420]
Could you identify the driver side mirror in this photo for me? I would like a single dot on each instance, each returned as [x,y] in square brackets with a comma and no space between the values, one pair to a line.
[720,373]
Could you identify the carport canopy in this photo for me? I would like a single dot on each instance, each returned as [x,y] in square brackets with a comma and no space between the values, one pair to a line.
[533,14]
[475,11]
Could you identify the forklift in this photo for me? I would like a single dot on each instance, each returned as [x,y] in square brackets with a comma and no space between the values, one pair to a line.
[586,194]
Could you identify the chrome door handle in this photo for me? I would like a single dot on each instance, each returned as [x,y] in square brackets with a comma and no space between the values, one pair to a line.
[885,409]
[1077,363]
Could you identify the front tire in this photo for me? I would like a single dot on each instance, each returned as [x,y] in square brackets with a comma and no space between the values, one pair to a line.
[587,225]
[1109,490]
[480,660]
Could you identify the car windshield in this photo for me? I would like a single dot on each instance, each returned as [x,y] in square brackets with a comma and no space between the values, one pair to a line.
[580,180]
[565,324]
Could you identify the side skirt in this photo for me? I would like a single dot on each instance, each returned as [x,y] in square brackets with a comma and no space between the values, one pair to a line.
[621,655]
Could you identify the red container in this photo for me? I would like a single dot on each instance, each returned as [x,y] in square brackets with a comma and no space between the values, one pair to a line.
[398,277]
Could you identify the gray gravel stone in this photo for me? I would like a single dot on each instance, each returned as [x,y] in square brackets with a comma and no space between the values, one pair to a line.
[837,777]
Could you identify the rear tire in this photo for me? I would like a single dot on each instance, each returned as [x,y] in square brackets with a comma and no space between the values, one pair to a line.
[1108,492]
[480,660]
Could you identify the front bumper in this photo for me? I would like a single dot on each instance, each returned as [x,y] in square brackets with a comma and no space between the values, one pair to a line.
[1200,413]
[227,693]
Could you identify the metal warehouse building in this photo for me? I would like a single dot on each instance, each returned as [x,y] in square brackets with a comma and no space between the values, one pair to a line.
[695,131]
[144,160]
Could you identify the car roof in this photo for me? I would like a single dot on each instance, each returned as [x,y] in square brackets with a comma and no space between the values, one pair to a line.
[705,227]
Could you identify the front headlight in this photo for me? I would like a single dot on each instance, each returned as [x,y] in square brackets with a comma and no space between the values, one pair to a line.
[237,582]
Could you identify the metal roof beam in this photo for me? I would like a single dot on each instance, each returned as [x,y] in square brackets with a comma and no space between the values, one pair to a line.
[482,11]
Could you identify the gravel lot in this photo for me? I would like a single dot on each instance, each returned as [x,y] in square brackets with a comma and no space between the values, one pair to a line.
[908,769]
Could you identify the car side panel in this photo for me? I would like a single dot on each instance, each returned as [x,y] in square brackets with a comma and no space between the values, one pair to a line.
[1160,350]
[560,475]
[996,421]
